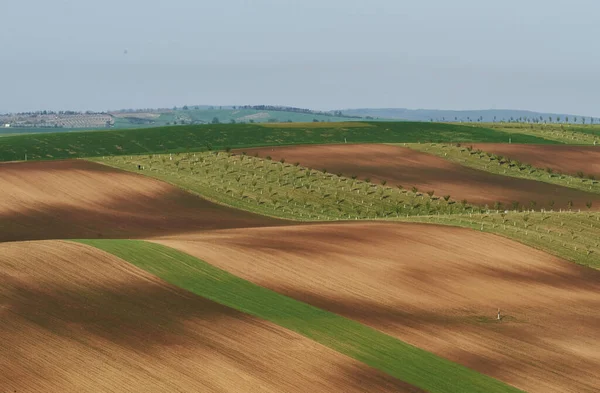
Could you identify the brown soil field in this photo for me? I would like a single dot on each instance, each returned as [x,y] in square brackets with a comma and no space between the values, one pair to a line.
[80,199]
[562,158]
[406,167]
[438,288]
[102,325]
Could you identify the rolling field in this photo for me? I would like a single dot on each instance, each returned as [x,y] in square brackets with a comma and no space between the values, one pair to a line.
[475,158]
[288,191]
[317,268]
[569,134]
[370,346]
[560,158]
[103,325]
[71,199]
[399,165]
[433,287]
[220,136]
[281,189]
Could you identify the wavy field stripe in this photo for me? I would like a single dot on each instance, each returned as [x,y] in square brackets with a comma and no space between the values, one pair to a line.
[390,355]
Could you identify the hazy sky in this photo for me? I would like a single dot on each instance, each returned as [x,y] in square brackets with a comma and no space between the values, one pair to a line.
[322,54]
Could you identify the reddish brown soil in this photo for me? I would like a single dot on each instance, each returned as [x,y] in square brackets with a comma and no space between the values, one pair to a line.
[561,158]
[80,199]
[406,167]
[438,288]
[75,319]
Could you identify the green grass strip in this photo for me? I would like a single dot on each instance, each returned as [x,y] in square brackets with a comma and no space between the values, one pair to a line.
[390,355]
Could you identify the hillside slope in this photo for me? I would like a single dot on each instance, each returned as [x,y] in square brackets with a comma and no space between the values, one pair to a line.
[398,165]
[101,324]
[435,287]
[80,199]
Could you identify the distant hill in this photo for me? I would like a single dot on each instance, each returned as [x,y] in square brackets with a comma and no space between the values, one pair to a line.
[224,114]
[489,115]
[44,121]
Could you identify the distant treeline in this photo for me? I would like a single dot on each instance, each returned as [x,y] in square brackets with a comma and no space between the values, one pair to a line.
[40,113]
[296,110]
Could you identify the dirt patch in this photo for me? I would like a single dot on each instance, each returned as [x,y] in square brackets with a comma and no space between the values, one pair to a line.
[80,199]
[101,324]
[406,167]
[438,288]
[562,158]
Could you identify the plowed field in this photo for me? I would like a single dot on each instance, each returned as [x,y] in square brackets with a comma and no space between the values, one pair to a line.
[80,199]
[409,168]
[438,288]
[562,158]
[76,319]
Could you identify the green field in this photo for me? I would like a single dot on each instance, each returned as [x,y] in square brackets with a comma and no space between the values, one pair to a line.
[478,159]
[376,349]
[194,138]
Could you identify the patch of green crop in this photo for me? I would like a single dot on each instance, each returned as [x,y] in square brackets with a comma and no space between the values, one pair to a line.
[376,349]
[219,136]
[284,190]
[478,159]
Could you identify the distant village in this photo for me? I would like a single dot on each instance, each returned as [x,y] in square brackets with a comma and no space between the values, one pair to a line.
[45,119]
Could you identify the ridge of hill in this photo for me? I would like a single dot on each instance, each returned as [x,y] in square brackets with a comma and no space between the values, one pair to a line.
[483,115]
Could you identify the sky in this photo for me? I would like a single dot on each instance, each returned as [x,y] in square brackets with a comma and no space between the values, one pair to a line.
[319,54]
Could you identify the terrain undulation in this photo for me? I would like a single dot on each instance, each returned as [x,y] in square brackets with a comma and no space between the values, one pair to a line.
[154,273]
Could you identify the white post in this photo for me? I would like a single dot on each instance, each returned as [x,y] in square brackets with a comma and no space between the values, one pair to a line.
[499,314]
